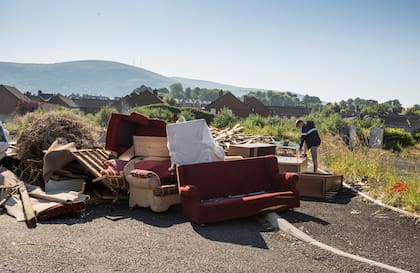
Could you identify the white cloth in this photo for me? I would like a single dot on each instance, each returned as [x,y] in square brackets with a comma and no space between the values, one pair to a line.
[191,142]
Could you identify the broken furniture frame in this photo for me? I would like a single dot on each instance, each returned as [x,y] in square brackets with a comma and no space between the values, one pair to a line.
[93,160]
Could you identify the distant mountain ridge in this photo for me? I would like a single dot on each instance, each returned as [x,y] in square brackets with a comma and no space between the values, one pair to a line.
[94,77]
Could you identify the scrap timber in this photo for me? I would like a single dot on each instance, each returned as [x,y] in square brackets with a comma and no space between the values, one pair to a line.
[234,135]
[92,159]
[27,206]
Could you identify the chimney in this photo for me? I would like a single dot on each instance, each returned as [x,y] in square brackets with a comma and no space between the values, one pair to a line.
[220,93]
[39,92]
[155,92]
[247,99]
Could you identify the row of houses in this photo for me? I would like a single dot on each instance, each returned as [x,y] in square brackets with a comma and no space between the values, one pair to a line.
[252,105]
[11,99]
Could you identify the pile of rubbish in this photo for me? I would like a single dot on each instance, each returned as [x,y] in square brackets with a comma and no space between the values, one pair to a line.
[57,167]
[234,135]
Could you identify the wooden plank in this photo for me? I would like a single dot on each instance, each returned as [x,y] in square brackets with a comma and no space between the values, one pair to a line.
[104,155]
[94,157]
[92,162]
[86,164]
[27,206]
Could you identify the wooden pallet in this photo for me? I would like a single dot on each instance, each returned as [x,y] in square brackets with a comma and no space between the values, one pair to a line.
[91,159]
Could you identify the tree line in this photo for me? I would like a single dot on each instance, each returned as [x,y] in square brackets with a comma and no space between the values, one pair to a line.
[275,98]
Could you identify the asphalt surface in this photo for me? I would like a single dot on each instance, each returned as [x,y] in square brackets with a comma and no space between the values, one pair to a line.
[138,240]
[357,226]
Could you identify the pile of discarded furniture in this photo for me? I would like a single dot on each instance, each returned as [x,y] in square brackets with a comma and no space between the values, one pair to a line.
[157,165]
[181,163]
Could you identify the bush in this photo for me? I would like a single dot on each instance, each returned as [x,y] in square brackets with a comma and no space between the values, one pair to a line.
[162,111]
[417,136]
[171,113]
[223,119]
[396,138]
[326,122]
[279,128]
[194,113]
[102,117]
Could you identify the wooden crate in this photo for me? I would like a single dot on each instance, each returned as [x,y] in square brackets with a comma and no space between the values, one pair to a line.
[319,185]
[147,146]
[252,149]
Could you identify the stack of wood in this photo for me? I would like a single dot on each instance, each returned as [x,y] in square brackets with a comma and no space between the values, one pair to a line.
[234,135]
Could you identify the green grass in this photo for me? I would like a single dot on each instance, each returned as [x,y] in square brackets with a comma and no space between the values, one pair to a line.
[369,165]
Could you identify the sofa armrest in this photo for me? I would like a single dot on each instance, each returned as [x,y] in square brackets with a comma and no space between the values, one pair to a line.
[287,181]
[190,192]
[148,182]
[165,190]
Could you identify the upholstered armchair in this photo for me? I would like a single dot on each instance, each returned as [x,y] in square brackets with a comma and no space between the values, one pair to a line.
[151,183]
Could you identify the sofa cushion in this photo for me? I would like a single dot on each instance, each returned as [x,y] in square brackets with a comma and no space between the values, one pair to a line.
[160,167]
[230,208]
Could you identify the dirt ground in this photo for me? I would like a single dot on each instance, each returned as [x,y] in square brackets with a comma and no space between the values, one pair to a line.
[137,240]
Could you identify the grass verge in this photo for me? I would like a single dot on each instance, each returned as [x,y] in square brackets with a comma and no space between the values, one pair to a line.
[375,173]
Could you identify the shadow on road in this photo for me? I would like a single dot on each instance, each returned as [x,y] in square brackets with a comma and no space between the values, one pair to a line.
[246,232]
[121,211]
[298,217]
[343,198]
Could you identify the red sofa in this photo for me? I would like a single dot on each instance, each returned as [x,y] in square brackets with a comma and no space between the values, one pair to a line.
[122,128]
[221,190]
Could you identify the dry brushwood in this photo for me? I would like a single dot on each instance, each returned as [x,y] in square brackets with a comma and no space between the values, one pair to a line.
[41,133]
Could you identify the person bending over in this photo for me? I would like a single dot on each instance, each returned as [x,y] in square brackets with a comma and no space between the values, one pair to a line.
[311,139]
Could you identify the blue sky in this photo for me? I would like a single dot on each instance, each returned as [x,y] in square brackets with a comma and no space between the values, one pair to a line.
[331,49]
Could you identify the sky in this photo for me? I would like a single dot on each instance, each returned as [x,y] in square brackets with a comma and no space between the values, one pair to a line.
[333,49]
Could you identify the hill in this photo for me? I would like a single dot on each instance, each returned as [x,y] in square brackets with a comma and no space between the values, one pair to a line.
[85,77]
[93,77]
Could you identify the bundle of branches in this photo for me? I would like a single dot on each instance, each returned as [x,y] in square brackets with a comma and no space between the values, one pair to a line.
[42,132]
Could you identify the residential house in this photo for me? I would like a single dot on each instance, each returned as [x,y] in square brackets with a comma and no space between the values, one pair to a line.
[137,98]
[10,99]
[193,103]
[256,106]
[289,111]
[408,123]
[92,104]
[62,101]
[50,101]
[231,103]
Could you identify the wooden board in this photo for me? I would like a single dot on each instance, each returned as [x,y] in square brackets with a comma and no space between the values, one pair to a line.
[291,164]
[27,205]
[252,149]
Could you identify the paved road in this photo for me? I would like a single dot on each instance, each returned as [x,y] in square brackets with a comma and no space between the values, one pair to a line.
[142,241]
[352,224]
